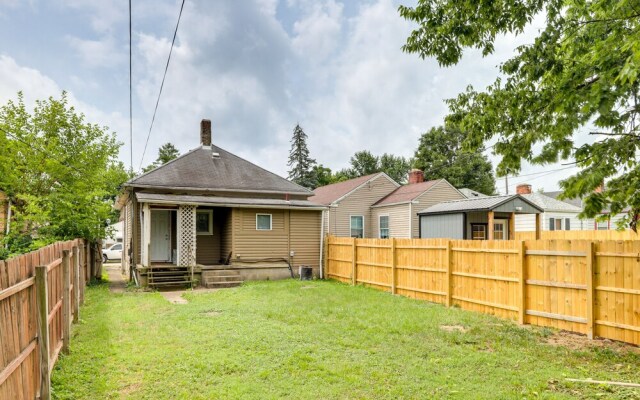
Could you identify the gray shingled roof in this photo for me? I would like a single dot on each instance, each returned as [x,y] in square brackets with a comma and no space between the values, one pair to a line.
[200,170]
[477,204]
[556,194]
[551,204]
[223,201]
[471,194]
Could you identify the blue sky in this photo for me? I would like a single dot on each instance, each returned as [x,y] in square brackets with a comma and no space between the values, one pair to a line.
[254,67]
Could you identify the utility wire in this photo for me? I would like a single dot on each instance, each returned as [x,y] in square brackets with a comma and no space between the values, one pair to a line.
[130,96]
[166,68]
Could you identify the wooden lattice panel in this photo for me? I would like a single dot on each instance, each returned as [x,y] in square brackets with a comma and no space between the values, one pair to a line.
[186,235]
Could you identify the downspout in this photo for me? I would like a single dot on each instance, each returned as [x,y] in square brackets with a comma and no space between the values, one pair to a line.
[322,245]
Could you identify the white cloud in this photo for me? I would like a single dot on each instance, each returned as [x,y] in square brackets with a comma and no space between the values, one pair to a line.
[98,53]
[317,35]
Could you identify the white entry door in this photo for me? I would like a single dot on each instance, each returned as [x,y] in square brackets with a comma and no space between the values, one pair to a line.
[500,229]
[160,235]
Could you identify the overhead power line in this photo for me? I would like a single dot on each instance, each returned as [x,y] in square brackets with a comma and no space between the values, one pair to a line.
[130,96]
[166,68]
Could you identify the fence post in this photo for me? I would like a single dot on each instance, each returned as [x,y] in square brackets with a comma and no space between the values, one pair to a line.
[325,259]
[590,295]
[83,263]
[66,301]
[87,272]
[42,301]
[523,282]
[354,254]
[76,284]
[99,262]
[393,266]
[447,260]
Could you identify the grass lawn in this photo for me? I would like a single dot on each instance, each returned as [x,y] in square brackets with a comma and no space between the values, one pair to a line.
[291,339]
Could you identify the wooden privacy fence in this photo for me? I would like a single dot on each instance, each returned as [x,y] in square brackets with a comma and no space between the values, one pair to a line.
[40,295]
[576,285]
[580,235]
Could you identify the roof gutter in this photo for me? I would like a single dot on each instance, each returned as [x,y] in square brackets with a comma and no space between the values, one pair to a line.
[192,203]
[206,190]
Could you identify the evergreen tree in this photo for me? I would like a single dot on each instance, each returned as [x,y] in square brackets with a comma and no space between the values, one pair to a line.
[166,153]
[302,165]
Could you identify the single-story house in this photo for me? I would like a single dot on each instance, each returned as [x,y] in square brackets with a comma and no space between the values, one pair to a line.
[557,215]
[350,202]
[491,217]
[606,222]
[395,214]
[212,216]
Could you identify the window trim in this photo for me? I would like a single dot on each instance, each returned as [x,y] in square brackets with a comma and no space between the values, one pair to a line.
[483,224]
[363,225]
[388,228]
[270,221]
[209,232]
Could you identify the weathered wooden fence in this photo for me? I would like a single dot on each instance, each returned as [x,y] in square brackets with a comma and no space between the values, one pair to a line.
[576,285]
[40,295]
[580,235]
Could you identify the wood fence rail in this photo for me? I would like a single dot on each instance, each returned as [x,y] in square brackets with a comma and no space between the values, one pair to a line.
[589,287]
[40,296]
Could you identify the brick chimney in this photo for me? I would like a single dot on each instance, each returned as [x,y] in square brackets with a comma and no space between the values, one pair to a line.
[205,132]
[524,188]
[416,176]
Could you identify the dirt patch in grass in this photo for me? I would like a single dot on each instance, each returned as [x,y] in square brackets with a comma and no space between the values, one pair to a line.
[453,328]
[212,313]
[577,341]
[127,390]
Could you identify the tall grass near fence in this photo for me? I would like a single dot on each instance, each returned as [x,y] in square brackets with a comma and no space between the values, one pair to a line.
[589,287]
[40,296]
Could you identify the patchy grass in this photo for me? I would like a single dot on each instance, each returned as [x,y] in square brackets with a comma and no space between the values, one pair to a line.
[279,340]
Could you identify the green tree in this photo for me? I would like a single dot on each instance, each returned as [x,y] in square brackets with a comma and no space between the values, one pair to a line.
[440,154]
[323,175]
[580,71]
[63,174]
[166,153]
[365,163]
[302,165]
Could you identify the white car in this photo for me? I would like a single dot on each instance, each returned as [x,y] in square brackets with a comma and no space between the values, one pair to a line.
[112,253]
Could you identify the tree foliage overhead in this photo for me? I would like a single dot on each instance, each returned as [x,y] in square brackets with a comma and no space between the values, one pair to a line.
[580,71]
[365,163]
[302,165]
[440,154]
[166,153]
[59,170]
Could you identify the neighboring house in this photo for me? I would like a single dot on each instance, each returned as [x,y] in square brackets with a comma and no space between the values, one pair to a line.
[471,194]
[349,202]
[116,234]
[396,214]
[608,222]
[557,215]
[213,212]
[484,218]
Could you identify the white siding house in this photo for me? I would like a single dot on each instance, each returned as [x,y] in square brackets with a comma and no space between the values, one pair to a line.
[557,215]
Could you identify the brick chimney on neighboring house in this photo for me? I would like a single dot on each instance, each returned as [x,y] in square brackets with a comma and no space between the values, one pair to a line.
[524,188]
[205,132]
[416,176]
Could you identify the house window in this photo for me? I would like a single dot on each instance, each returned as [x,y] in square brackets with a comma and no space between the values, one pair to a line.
[357,226]
[602,225]
[478,231]
[498,231]
[384,227]
[204,222]
[263,222]
[559,224]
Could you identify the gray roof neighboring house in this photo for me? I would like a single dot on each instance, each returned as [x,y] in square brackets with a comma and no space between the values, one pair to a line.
[549,203]
[161,198]
[211,168]
[488,203]
[471,194]
[557,193]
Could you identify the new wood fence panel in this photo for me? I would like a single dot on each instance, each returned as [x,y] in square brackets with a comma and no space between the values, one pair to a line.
[617,290]
[610,234]
[421,269]
[576,285]
[19,353]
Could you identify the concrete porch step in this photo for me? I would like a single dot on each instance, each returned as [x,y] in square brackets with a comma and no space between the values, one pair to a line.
[220,272]
[222,278]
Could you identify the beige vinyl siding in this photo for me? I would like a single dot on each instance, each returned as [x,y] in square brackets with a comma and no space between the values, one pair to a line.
[226,234]
[398,220]
[305,239]
[252,244]
[442,191]
[359,202]
[208,247]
